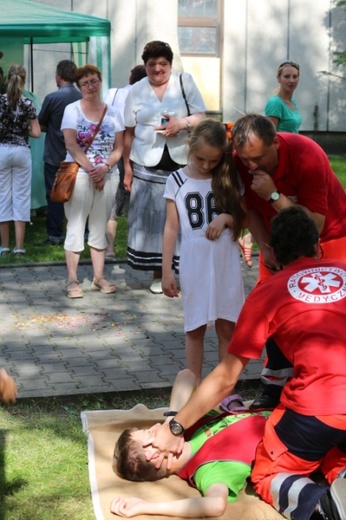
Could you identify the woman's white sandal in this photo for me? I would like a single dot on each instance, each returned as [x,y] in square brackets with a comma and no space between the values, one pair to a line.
[74,292]
[19,252]
[106,288]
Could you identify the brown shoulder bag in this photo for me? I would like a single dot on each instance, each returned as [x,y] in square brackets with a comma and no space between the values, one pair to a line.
[66,175]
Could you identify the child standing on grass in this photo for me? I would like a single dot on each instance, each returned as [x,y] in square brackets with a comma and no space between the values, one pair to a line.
[204,200]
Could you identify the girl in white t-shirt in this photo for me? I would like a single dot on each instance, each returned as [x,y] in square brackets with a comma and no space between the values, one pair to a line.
[204,200]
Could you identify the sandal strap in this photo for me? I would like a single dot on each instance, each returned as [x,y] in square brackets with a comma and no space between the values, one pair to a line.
[72,281]
[97,281]
[106,287]
[74,292]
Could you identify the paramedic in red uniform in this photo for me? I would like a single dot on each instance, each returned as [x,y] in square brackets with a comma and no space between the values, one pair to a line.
[303,307]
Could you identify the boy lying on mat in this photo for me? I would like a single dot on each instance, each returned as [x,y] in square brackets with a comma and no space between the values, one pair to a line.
[217,459]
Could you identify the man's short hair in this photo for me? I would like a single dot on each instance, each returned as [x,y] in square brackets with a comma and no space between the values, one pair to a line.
[137,73]
[293,235]
[253,124]
[66,69]
[129,460]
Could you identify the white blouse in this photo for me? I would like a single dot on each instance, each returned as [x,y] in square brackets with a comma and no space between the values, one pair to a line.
[143,111]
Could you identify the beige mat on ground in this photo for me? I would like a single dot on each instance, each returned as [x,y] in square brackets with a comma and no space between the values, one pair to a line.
[103,428]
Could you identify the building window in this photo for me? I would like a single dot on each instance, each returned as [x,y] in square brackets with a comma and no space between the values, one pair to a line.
[199,27]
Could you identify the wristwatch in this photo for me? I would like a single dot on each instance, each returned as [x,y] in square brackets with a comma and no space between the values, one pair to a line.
[274,196]
[176,428]
[188,124]
[108,166]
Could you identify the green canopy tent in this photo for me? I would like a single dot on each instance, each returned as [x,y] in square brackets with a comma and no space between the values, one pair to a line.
[24,25]
[26,22]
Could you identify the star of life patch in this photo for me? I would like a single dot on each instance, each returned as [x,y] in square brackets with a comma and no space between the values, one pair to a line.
[318,285]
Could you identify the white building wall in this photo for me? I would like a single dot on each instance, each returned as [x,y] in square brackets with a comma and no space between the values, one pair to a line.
[258,35]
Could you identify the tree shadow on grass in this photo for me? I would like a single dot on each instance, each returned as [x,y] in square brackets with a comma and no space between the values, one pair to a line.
[6,488]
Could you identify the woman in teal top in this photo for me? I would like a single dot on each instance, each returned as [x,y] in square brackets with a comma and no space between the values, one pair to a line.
[281,108]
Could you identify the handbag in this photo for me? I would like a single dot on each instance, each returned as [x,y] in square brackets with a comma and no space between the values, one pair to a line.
[64,181]
[66,175]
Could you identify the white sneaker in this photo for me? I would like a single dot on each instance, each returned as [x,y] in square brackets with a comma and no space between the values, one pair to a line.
[338,494]
[156,286]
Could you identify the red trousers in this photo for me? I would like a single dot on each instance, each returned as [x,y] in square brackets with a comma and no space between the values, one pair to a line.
[284,461]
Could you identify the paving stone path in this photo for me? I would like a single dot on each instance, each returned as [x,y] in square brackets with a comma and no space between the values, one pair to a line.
[131,340]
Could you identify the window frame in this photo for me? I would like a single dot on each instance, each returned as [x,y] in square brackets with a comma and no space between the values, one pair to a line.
[207,22]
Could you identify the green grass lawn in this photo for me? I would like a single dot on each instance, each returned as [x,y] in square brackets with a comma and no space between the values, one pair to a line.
[36,232]
[43,455]
[339,166]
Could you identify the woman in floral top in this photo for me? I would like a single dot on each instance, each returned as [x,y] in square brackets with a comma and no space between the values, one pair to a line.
[97,178]
[18,121]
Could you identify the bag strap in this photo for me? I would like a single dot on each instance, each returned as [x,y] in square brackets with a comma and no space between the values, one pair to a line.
[183,93]
[116,91]
[97,128]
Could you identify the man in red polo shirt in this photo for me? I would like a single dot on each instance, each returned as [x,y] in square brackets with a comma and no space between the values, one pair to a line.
[280,170]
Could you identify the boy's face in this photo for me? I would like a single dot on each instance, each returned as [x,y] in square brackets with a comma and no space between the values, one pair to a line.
[142,436]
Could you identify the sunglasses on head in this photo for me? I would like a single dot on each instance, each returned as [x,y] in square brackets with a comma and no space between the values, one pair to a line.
[288,62]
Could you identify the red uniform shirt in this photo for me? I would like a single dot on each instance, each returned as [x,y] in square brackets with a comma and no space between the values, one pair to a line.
[304,308]
[305,176]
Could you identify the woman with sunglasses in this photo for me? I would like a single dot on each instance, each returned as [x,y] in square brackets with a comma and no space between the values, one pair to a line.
[281,108]
[97,178]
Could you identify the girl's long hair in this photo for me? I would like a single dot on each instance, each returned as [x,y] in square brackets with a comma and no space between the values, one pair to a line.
[225,180]
[226,188]
[15,84]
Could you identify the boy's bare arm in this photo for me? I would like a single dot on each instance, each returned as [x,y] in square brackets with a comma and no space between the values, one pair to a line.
[212,505]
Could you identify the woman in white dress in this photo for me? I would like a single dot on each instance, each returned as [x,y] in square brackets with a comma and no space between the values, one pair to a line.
[204,200]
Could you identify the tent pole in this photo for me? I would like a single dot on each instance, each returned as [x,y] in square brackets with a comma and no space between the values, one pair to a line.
[32,64]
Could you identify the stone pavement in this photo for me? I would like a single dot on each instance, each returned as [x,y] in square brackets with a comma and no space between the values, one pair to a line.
[130,340]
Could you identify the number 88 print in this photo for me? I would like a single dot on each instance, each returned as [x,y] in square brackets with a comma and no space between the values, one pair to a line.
[200,210]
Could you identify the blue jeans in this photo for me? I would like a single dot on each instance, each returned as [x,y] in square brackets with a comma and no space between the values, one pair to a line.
[55,210]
